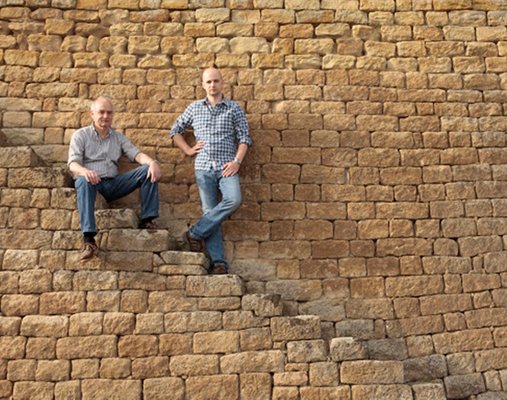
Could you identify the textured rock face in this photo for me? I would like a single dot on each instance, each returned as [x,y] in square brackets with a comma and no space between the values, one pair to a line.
[368,257]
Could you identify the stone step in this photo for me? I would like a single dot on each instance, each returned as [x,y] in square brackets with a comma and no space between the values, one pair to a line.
[39,177]
[122,240]
[19,157]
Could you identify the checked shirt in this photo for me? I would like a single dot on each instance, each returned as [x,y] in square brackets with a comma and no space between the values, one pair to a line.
[221,127]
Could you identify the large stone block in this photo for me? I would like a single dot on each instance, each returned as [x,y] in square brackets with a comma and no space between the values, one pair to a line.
[111,389]
[48,326]
[253,361]
[219,387]
[295,328]
[86,347]
[213,286]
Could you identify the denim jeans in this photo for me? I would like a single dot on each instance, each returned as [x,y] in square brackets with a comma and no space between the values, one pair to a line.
[208,228]
[112,189]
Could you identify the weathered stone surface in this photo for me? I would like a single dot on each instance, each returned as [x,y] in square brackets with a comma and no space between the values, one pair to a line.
[371,372]
[225,285]
[111,389]
[295,328]
[219,387]
[262,305]
[138,240]
[251,361]
[347,348]
[306,351]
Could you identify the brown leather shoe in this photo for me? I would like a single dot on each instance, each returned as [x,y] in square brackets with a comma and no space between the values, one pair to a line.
[90,250]
[194,244]
[218,269]
[148,225]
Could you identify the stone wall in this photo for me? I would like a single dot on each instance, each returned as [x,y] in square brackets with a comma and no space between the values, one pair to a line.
[375,192]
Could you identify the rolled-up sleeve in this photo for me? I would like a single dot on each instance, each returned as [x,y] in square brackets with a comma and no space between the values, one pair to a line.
[76,148]
[241,126]
[128,148]
[183,122]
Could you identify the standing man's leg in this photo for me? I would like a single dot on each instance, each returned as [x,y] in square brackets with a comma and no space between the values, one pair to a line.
[208,228]
[86,194]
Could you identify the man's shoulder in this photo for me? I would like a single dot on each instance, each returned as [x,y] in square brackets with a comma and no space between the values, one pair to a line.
[83,131]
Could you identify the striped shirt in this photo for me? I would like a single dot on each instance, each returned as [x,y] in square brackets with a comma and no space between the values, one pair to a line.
[89,150]
[221,127]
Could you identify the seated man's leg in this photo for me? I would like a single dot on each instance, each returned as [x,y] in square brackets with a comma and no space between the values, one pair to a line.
[86,194]
[129,181]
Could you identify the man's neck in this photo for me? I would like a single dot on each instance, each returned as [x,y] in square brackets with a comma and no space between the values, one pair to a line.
[214,100]
[103,132]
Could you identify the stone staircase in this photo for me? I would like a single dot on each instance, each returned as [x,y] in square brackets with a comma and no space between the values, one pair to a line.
[145,321]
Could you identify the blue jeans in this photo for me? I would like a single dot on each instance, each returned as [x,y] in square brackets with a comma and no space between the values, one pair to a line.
[112,189]
[208,228]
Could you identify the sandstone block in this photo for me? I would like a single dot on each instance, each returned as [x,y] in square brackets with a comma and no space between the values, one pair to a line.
[295,328]
[347,348]
[170,301]
[8,282]
[198,321]
[111,389]
[150,367]
[53,370]
[371,372]
[19,305]
[85,324]
[158,388]
[137,240]
[33,390]
[464,385]
[291,378]
[216,342]
[220,387]
[175,344]
[263,305]
[255,386]
[192,365]
[18,157]
[300,290]
[70,390]
[414,286]
[115,368]
[21,370]
[469,340]
[12,347]
[86,347]
[306,351]
[255,339]
[62,302]
[48,326]
[263,361]
[137,346]
[227,285]
[387,392]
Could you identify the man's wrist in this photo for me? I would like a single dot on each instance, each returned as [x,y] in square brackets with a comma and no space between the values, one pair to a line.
[237,160]
[152,161]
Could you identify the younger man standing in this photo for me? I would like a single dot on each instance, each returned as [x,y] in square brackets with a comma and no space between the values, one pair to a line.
[222,139]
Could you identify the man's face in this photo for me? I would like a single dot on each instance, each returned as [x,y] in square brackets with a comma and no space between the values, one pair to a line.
[102,114]
[212,82]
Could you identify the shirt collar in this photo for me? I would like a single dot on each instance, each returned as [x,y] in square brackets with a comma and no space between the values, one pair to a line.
[97,132]
[225,102]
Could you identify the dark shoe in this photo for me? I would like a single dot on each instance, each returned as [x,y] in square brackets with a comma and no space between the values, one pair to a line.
[90,250]
[194,244]
[148,225]
[218,269]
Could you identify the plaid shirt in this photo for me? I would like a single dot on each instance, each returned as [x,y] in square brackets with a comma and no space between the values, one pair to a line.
[221,127]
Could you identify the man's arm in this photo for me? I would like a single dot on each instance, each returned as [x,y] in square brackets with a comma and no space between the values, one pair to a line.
[182,144]
[154,172]
[232,168]
[89,174]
